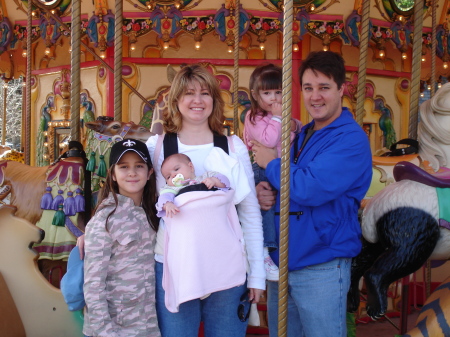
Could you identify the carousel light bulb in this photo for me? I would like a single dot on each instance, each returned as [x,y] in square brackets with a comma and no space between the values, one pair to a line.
[230,49]
[400,18]
[45,133]
[439,85]
[47,51]
[197,45]
[45,144]
[312,8]
[53,11]
[325,47]
[133,46]
[33,13]
[381,53]
[423,59]
[445,65]
[102,54]
[261,46]
[422,94]
[24,53]
[404,56]
[45,156]
[429,87]
[70,49]
[166,45]
[50,124]
[295,47]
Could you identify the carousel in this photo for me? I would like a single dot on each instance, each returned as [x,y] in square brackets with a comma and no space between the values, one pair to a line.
[78,76]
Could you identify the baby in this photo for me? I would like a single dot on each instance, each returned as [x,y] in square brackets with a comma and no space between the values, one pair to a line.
[179,173]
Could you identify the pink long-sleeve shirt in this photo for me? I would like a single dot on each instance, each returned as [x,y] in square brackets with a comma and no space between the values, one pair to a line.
[266,130]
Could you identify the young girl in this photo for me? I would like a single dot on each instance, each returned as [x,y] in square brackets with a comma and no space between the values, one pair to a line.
[119,278]
[263,124]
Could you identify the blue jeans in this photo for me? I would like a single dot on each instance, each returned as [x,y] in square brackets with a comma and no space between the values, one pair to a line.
[267,216]
[219,313]
[317,300]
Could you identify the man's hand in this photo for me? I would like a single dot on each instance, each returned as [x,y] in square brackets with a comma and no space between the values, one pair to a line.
[266,196]
[263,155]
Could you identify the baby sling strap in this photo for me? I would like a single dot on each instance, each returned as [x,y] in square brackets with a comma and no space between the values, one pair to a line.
[169,142]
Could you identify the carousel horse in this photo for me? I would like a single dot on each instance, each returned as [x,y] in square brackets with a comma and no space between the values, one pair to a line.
[407,222]
[434,317]
[38,192]
[29,305]
[100,137]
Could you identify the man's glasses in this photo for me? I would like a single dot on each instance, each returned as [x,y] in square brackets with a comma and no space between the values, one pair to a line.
[244,307]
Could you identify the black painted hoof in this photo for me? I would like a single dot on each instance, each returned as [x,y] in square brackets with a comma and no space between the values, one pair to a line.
[376,298]
[353,299]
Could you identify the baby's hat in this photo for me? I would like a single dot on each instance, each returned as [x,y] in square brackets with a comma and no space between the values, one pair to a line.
[120,148]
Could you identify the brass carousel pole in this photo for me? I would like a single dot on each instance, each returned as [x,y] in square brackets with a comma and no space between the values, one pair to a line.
[28,87]
[236,69]
[433,90]
[118,61]
[415,73]
[363,46]
[5,92]
[285,168]
[75,71]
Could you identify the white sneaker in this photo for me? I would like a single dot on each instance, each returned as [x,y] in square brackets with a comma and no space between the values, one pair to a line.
[272,271]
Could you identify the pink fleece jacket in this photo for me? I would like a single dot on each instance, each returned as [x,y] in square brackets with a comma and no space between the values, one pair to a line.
[207,234]
[266,130]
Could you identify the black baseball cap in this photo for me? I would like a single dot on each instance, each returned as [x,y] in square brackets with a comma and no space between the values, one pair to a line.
[119,148]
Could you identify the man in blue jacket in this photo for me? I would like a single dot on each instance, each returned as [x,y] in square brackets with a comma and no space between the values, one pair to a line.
[330,172]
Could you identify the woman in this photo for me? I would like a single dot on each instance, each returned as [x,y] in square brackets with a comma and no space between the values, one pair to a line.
[195,114]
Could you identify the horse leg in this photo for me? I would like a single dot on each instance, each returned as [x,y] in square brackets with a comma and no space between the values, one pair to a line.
[360,264]
[409,236]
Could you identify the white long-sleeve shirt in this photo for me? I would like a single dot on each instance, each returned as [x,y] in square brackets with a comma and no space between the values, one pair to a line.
[248,209]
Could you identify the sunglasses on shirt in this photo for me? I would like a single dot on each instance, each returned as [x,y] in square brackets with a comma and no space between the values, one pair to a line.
[244,307]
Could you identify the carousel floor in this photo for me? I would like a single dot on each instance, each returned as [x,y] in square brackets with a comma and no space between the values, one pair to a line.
[380,328]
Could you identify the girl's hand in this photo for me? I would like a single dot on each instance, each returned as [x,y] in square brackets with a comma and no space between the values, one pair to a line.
[277,109]
[296,125]
[255,294]
[209,182]
[80,244]
[213,182]
[170,209]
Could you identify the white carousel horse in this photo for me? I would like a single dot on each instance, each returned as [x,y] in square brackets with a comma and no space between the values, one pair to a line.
[402,224]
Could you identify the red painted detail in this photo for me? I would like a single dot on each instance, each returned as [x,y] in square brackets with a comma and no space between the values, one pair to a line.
[102,29]
[230,24]
[166,24]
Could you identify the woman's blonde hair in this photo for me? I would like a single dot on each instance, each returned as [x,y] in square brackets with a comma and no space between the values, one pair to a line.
[173,120]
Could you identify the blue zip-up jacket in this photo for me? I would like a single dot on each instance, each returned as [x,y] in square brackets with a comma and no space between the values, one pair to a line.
[331,176]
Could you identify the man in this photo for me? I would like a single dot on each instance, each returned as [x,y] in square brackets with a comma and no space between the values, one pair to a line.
[331,170]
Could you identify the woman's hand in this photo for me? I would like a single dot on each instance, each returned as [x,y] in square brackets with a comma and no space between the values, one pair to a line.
[80,244]
[263,155]
[266,196]
[255,294]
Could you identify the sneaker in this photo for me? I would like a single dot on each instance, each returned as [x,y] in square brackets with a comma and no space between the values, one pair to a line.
[272,271]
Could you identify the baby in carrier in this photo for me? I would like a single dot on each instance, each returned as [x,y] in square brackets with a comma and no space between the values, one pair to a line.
[179,173]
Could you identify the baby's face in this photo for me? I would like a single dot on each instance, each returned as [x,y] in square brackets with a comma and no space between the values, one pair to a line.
[175,166]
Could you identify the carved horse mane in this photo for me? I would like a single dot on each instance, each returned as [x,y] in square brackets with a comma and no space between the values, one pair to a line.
[434,135]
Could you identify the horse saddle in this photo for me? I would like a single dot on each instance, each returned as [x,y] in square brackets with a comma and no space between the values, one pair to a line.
[406,170]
